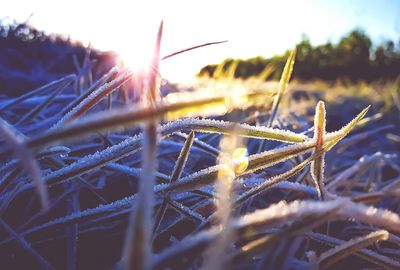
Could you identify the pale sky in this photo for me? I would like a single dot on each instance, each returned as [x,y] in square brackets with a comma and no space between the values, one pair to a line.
[252,27]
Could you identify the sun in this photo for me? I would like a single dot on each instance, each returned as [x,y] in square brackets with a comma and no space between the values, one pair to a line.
[137,57]
[135,39]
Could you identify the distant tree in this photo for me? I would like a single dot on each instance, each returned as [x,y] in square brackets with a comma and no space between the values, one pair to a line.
[354,55]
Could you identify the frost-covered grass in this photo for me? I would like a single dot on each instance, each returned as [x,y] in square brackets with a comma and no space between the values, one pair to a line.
[96,178]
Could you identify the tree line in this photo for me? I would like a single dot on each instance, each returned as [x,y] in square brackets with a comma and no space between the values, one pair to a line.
[354,57]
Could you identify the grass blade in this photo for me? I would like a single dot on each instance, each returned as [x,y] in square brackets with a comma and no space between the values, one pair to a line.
[186,211]
[192,48]
[245,130]
[317,166]
[182,159]
[176,174]
[94,97]
[308,220]
[283,84]
[268,70]
[273,181]
[330,257]
[40,107]
[61,83]
[231,152]
[137,252]
[364,253]
[371,215]
[111,74]
[199,144]
[15,140]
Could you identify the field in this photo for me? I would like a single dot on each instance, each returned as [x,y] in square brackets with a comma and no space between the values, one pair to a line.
[122,170]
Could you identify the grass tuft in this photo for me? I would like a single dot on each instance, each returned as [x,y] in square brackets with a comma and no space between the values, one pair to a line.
[146,177]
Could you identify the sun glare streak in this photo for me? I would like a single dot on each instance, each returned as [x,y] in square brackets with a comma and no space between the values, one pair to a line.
[223,97]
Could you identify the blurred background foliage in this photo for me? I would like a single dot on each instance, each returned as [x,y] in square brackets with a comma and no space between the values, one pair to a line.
[354,57]
[30,58]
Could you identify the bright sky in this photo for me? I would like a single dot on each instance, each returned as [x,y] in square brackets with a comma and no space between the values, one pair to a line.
[252,27]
